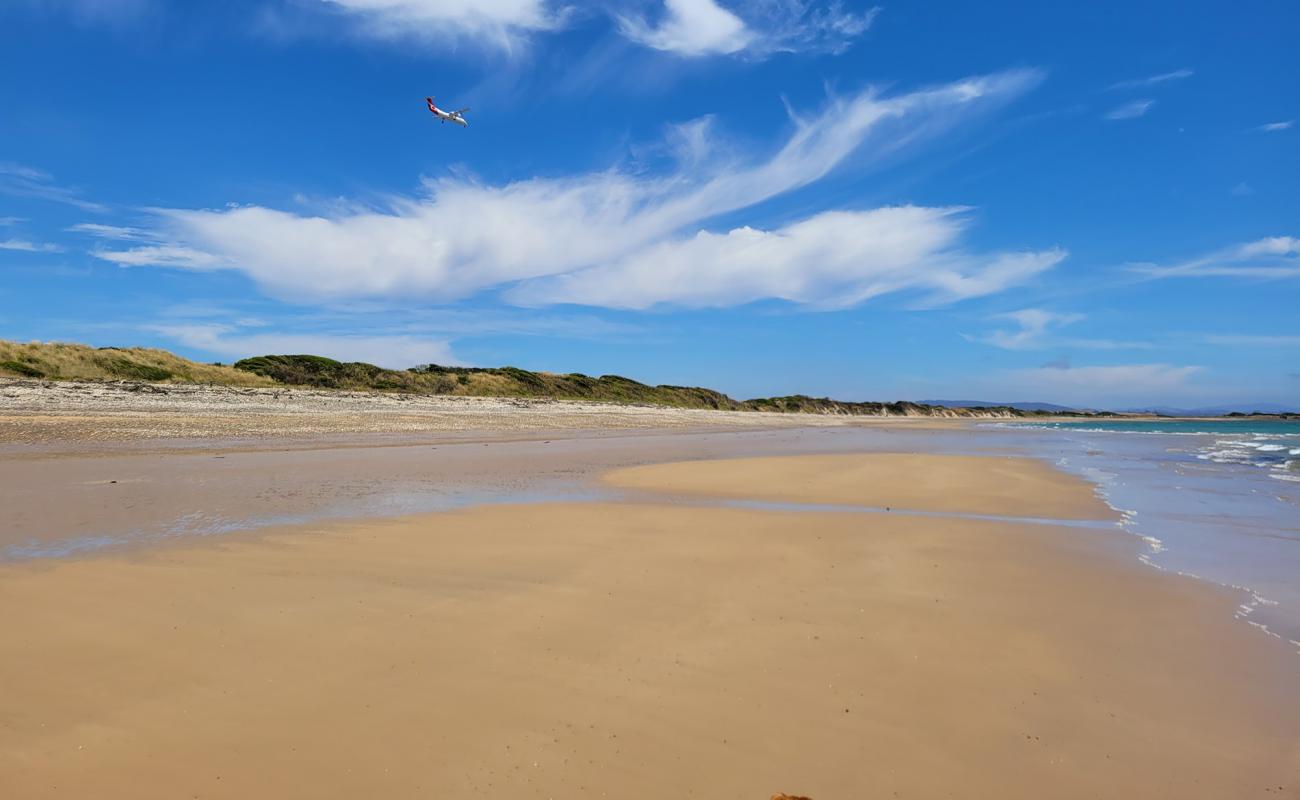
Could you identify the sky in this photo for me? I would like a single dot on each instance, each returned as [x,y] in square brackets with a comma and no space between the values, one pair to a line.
[1094,204]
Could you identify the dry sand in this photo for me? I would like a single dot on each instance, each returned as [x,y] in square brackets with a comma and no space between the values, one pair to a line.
[642,651]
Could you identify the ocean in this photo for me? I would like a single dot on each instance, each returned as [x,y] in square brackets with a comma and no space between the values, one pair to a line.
[1215,499]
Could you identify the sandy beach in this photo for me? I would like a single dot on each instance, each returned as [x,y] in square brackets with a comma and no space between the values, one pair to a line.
[81,414]
[658,643]
[648,400]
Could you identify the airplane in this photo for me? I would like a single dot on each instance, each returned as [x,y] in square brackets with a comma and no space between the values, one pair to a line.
[447,116]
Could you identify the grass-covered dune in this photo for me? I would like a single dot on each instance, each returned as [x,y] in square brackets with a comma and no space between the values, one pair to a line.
[475,381]
[58,361]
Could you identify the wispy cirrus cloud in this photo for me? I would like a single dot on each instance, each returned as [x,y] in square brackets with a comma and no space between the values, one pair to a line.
[686,28]
[1037,329]
[111,232]
[504,24]
[164,255]
[596,238]
[694,28]
[1271,257]
[25,246]
[152,249]
[1031,326]
[1153,80]
[1131,110]
[1273,127]
[19,180]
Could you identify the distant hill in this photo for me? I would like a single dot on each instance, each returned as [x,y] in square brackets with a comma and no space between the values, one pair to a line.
[57,361]
[1219,411]
[1050,407]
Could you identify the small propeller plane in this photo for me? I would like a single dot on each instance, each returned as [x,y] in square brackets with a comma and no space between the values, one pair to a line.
[447,116]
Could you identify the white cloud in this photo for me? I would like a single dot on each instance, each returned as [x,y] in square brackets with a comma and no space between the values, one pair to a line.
[1131,110]
[1103,386]
[394,352]
[466,237]
[1271,127]
[24,181]
[502,23]
[690,28]
[833,259]
[1272,257]
[25,246]
[114,232]
[693,28]
[1032,325]
[10,221]
[166,255]
[1153,80]
[1035,328]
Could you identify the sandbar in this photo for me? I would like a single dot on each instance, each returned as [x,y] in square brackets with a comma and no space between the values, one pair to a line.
[988,485]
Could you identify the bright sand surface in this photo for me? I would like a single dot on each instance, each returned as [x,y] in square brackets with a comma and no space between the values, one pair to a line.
[959,484]
[644,651]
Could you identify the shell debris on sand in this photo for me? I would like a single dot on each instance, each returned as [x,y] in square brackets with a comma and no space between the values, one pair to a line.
[38,412]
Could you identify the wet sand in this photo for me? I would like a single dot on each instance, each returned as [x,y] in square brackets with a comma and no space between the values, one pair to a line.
[644,650]
[76,497]
[927,482]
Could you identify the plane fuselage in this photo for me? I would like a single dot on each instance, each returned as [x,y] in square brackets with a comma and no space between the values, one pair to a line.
[448,116]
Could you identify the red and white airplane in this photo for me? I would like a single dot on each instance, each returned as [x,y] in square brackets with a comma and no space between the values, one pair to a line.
[447,116]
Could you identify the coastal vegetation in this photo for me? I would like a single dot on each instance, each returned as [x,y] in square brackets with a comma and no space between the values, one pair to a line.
[59,361]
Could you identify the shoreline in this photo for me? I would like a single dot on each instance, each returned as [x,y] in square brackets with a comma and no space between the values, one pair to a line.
[80,499]
[646,649]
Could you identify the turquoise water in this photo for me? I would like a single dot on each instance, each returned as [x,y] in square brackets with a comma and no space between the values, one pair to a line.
[1285,427]
[1269,444]
[1217,499]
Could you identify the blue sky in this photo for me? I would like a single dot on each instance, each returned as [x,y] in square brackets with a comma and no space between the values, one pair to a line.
[1081,203]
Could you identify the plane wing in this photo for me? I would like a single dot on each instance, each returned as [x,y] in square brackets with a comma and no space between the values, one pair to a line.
[461,110]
